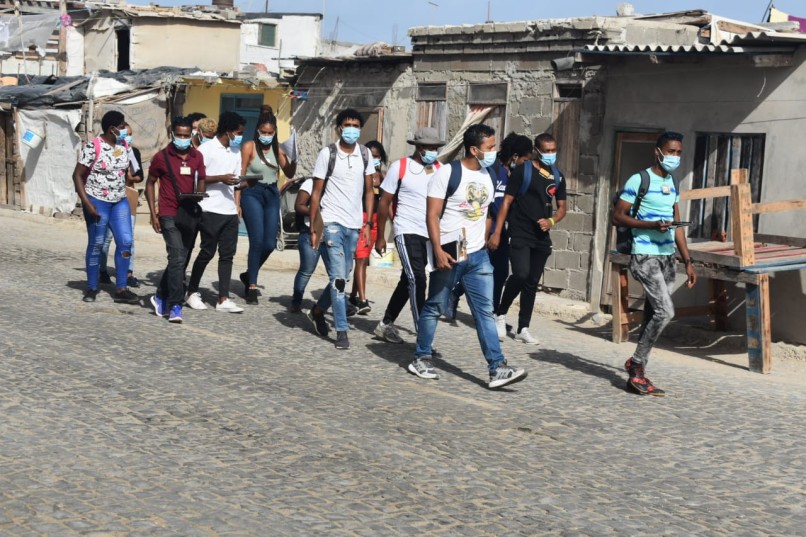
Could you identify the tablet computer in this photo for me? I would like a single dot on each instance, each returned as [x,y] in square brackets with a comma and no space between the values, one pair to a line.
[197,196]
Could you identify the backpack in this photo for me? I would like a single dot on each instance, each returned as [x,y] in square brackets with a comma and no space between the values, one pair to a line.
[624,236]
[528,169]
[401,174]
[331,163]
[454,181]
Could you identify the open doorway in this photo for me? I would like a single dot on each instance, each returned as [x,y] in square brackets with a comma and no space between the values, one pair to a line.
[124,47]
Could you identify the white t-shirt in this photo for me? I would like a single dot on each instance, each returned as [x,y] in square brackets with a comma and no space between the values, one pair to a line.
[467,208]
[343,201]
[220,160]
[307,186]
[411,198]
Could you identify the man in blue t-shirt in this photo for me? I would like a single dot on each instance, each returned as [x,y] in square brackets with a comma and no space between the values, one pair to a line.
[652,262]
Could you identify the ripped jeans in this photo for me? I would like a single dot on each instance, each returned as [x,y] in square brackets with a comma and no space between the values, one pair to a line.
[337,249]
[115,216]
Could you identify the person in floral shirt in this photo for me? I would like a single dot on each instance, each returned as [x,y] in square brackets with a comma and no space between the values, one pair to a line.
[100,180]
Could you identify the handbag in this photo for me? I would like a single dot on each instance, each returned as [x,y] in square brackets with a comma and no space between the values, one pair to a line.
[188,211]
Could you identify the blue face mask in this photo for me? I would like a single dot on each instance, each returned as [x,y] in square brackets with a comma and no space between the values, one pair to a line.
[429,157]
[377,163]
[236,141]
[204,140]
[489,159]
[549,159]
[128,139]
[181,143]
[350,135]
[265,140]
[669,162]
[122,134]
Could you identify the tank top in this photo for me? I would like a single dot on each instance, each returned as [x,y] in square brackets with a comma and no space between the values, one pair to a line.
[258,167]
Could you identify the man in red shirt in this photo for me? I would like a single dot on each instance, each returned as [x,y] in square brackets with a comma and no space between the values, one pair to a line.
[179,168]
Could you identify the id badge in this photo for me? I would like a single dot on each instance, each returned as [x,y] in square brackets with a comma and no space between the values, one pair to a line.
[666,189]
[461,247]
[429,170]
[184,170]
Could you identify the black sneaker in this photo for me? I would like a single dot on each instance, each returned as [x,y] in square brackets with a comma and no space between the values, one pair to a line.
[131,281]
[251,296]
[351,310]
[363,307]
[639,382]
[342,343]
[126,297]
[319,323]
[103,277]
[244,277]
[89,295]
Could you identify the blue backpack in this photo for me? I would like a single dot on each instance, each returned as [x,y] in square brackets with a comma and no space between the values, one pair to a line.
[527,177]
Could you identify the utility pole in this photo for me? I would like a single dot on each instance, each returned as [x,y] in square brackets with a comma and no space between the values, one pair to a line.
[62,54]
[434,7]
[266,7]
[489,11]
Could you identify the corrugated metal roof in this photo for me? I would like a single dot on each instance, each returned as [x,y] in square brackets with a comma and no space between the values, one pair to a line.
[762,37]
[665,49]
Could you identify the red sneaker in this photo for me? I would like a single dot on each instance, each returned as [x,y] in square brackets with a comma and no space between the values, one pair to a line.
[639,382]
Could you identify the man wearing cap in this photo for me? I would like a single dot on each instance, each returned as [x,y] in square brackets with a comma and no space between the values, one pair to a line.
[403,198]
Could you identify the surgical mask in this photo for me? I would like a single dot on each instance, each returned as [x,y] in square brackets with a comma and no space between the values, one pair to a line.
[236,141]
[669,162]
[203,140]
[265,140]
[377,163]
[549,159]
[129,139]
[122,134]
[489,159]
[181,143]
[350,134]
[429,157]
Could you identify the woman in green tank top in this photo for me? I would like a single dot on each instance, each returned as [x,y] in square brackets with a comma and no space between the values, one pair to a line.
[260,204]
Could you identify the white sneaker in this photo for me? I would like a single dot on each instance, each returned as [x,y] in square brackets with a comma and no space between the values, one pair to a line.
[194,300]
[525,337]
[501,326]
[229,306]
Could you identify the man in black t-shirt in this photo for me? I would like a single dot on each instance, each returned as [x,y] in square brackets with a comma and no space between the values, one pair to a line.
[530,217]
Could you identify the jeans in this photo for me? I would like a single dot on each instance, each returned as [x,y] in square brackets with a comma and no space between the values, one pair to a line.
[656,273]
[102,265]
[528,263]
[117,217]
[500,261]
[261,214]
[337,250]
[218,231]
[476,276]
[177,243]
[308,259]
[413,253]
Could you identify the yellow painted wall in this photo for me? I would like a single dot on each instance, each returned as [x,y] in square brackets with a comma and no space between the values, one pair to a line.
[206,98]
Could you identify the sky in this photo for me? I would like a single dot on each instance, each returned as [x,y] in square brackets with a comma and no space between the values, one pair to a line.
[365,21]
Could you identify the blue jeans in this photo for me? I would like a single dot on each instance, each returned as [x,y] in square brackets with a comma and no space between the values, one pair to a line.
[261,214]
[476,276]
[107,241]
[117,217]
[337,250]
[308,259]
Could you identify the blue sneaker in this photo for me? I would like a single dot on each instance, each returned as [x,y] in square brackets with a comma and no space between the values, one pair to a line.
[176,314]
[159,306]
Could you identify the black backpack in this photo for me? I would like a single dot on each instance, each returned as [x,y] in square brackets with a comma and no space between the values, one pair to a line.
[624,237]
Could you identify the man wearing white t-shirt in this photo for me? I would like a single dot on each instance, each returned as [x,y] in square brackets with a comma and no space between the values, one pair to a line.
[403,197]
[342,180]
[459,195]
[219,221]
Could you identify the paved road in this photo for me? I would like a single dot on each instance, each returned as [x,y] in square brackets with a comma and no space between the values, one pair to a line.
[113,422]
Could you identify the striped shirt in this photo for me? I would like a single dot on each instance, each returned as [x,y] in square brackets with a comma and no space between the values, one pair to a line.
[658,204]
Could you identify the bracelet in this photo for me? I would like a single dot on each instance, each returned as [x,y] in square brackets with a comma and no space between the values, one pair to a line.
[552,221]
[688,261]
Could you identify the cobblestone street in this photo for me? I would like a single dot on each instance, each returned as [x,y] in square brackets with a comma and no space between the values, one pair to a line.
[115,422]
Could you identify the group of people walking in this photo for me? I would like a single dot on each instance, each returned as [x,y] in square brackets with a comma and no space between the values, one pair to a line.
[458,227]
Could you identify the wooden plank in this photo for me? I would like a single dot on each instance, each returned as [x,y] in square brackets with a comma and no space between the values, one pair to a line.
[777,268]
[717,273]
[740,176]
[632,317]
[742,224]
[615,303]
[720,259]
[704,193]
[780,239]
[759,337]
[778,206]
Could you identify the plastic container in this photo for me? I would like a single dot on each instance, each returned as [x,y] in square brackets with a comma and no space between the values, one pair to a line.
[32,139]
[385,260]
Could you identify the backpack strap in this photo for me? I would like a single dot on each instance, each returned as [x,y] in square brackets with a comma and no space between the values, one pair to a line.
[528,169]
[402,172]
[364,155]
[555,171]
[171,175]
[642,191]
[453,183]
[96,144]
